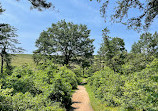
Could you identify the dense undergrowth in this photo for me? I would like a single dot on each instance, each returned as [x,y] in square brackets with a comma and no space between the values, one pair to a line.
[134,91]
[46,88]
[96,103]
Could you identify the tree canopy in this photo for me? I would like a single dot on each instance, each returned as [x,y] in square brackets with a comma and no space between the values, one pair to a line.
[1,9]
[40,4]
[8,43]
[36,4]
[148,12]
[112,50]
[148,44]
[66,40]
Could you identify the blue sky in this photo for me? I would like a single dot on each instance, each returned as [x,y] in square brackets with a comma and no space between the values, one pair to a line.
[30,23]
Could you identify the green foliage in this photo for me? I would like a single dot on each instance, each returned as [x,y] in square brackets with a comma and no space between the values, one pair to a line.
[26,102]
[56,83]
[97,104]
[21,80]
[8,42]
[136,90]
[41,4]
[88,71]
[148,9]
[141,89]
[68,76]
[68,42]
[107,86]
[135,63]
[5,99]
[91,70]
[46,88]
[112,51]
[148,44]
[61,92]
[78,72]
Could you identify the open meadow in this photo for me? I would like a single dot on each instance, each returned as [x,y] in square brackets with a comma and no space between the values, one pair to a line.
[21,59]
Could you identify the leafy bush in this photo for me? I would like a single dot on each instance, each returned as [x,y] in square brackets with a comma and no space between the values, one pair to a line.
[61,92]
[21,80]
[135,91]
[68,76]
[141,89]
[78,72]
[46,88]
[22,102]
[107,86]
[56,83]
[5,99]
[136,63]
[91,70]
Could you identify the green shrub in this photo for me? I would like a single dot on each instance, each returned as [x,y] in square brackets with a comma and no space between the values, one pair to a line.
[47,88]
[68,76]
[135,91]
[78,72]
[141,89]
[56,84]
[5,99]
[22,102]
[136,63]
[21,80]
[107,86]
[61,92]
[91,70]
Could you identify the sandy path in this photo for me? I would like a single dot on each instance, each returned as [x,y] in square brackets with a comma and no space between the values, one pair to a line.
[81,100]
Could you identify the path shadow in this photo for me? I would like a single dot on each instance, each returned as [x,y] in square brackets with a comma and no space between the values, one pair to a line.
[75,102]
[73,108]
[83,83]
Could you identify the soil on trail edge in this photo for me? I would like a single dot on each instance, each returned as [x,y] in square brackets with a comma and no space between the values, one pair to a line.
[80,100]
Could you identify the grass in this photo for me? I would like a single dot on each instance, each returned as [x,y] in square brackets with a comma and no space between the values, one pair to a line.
[21,59]
[96,104]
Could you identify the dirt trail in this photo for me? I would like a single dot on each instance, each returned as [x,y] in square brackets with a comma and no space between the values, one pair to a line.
[81,100]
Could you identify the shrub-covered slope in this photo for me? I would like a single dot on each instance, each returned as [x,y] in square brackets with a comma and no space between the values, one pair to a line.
[47,88]
[136,91]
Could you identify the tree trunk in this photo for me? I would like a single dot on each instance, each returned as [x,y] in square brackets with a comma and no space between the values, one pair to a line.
[100,61]
[83,71]
[2,62]
[66,61]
